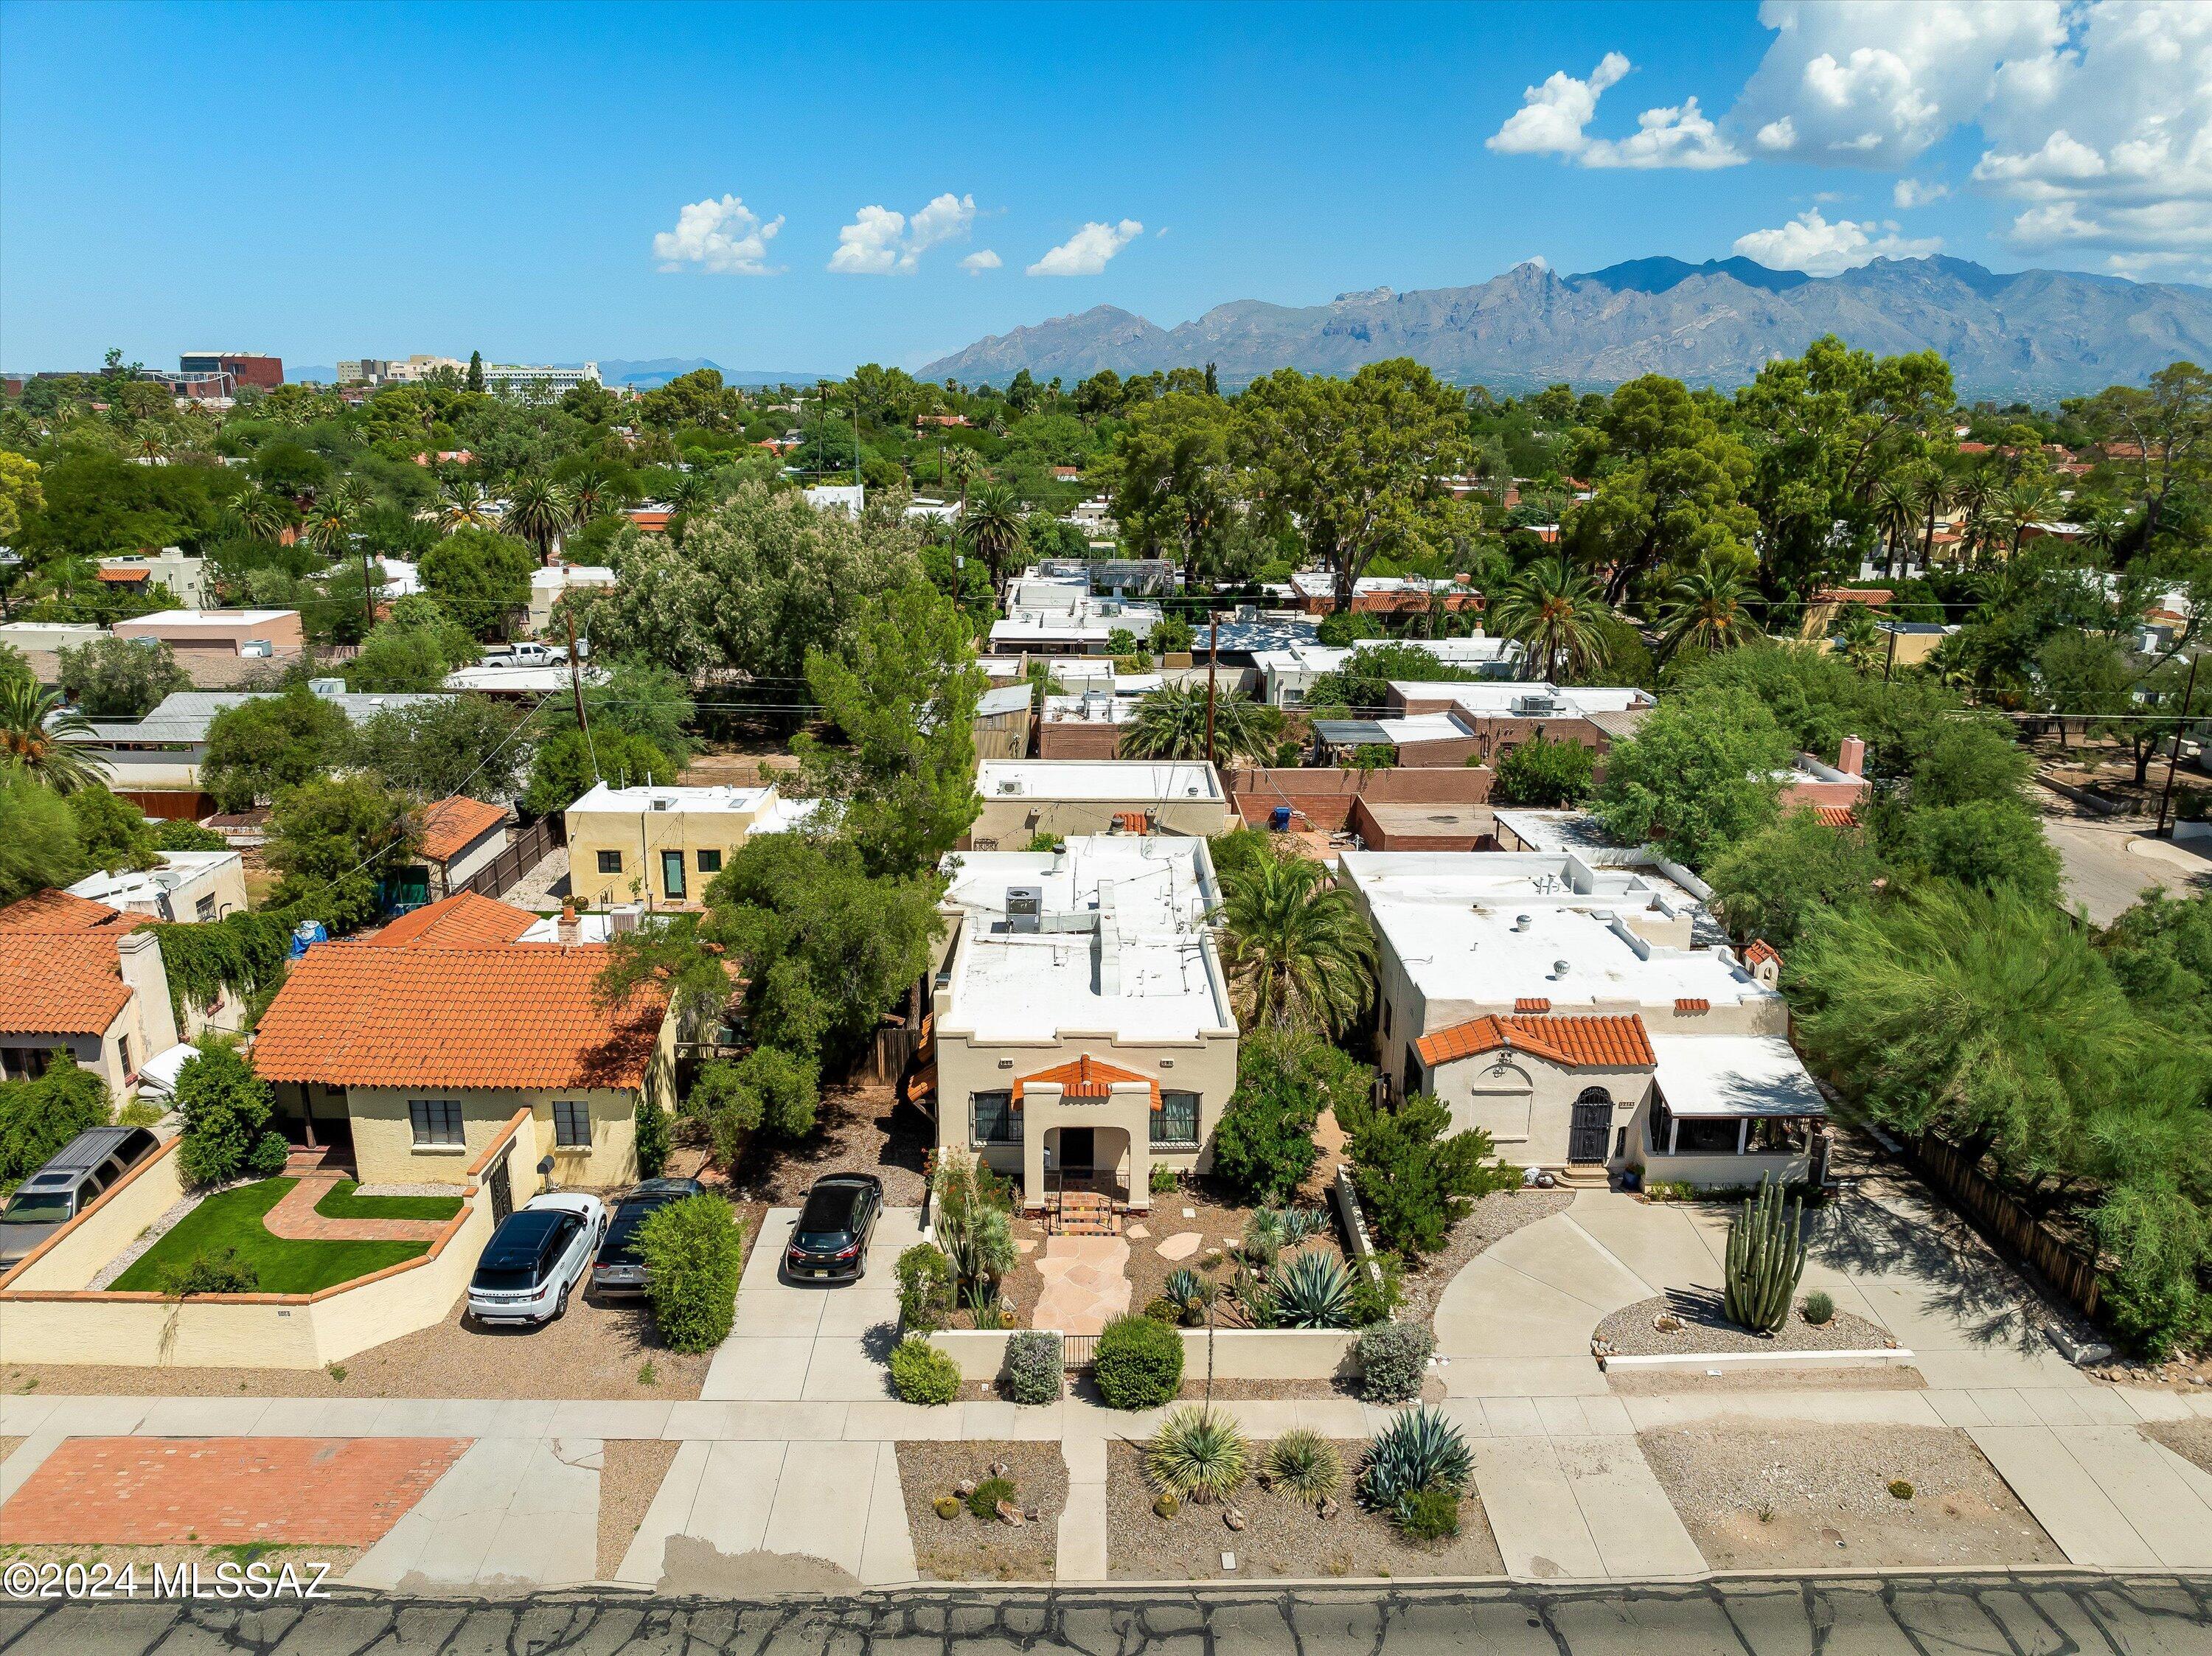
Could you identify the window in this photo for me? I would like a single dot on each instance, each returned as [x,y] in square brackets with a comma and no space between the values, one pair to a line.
[1710,1135]
[205,909]
[572,1124]
[710,862]
[996,1121]
[1413,1076]
[1386,1015]
[611,862]
[437,1124]
[1175,1122]
[1778,1134]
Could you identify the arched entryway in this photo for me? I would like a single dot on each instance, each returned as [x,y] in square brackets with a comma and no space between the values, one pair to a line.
[1091,1158]
[1590,1135]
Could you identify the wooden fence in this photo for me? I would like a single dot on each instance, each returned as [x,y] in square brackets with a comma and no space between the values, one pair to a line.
[2003,1218]
[526,849]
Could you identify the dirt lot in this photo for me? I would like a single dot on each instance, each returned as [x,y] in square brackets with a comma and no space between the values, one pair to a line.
[630,1473]
[2190,1439]
[965,1548]
[1283,1537]
[1811,1497]
[857,1129]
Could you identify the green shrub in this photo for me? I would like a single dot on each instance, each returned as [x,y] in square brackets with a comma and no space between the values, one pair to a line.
[1139,1363]
[1418,1450]
[1263,1240]
[693,1251]
[1900,1489]
[922,1374]
[1263,1145]
[1311,1289]
[1161,1179]
[1162,1309]
[1036,1371]
[1197,1455]
[983,1500]
[268,1156]
[226,1111]
[1428,1515]
[650,1134]
[1374,1302]
[1820,1306]
[209,1273]
[1306,1464]
[1394,1361]
[1417,1180]
[1545,774]
[39,1116]
[925,1287]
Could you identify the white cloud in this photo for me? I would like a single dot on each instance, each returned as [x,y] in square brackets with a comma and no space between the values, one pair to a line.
[1811,244]
[1874,82]
[724,237]
[1909,193]
[1085,252]
[878,241]
[1551,118]
[980,261]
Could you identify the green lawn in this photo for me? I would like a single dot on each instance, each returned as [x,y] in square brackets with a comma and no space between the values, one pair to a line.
[339,1201]
[233,1220]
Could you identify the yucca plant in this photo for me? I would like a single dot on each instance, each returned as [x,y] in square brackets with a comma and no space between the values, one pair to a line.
[1418,1450]
[1306,1464]
[1263,1240]
[1197,1455]
[1311,1290]
[1294,1225]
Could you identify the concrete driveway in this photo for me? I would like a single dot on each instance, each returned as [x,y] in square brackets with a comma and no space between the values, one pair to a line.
[820,1341]
[1516,1322]
[2109,860]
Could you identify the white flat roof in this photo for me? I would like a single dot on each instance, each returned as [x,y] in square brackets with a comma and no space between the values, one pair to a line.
[605,796]
[1501,696]
[1733,1076]
[1121,947]
[144,885]
[1488,928]
[1096,779]
[1099,707]
[573,574]
[209,617]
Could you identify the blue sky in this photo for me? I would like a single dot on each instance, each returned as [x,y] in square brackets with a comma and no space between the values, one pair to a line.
[552,183]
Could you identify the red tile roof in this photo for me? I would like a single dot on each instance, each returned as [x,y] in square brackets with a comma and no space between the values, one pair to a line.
[521,1014]
[1760,952]
[1835,816]
[50,912]
[1876,596]
[124,574]
[1611,1042]
[1692,1003]
[1533,1004]
[61,983]
[452,826]
[1086,1078]
[464,920]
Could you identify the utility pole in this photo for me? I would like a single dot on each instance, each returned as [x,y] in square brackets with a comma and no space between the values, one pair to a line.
[1889,660]
[367,591]
[576,688]
[1212,660]
[2188,698]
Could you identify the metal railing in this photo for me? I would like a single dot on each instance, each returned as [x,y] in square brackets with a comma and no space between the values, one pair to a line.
[1078,1353]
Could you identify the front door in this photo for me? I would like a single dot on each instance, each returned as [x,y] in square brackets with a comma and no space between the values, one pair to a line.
[502,1193]
[1593,1127]
[672,875]
[1076,1151]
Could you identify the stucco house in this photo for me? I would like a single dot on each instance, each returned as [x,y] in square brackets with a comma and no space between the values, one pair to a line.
[1080,1020]
[85,978]
[663,846]
[1592,1019]
[418,1048]
[1024,797]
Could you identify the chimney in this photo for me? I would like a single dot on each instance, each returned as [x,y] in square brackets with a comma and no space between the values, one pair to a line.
[138,960]
[569,930]
[1851,757]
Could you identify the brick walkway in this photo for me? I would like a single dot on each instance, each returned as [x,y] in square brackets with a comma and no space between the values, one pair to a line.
[295,1220]
[135,1491]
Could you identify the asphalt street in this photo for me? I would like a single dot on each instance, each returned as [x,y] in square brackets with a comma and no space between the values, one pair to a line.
[1860,1616]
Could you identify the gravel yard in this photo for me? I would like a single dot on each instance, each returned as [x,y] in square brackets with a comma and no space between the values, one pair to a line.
[856,1130]
[1495,1217]
[1283,1536]
[1704,1326]
[630,1473]
[2190,1439]
[1761,1377]
[1815,1497]
[965,1548]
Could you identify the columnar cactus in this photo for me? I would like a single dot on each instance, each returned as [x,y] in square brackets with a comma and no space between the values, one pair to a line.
[1765,1258]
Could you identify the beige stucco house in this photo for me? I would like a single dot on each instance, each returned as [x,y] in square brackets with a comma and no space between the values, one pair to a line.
[83,978]
[1025,798]
[1081,1021]
[662,846]
[1591,1018]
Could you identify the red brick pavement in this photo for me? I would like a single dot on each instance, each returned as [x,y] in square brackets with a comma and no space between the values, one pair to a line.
[144,1492]
[295,1218]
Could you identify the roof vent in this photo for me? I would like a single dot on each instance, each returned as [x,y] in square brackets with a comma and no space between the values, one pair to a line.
[1559,968]
[1520,922]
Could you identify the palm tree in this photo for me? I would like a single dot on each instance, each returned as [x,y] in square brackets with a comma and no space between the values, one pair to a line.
[1931,492]
[1299,953]
[2023,503]
[463,505]
[35,732]
[962,465]
[150,442]
[692,492]
[1557,614]
[1973,495]
[1896,515]
[257,515]
[1856,638]
[538,509]
[329,526]
[994,527]
[1710,607]
[1170,723]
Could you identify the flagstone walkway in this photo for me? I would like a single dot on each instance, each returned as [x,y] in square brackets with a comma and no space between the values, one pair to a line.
[1086,1283]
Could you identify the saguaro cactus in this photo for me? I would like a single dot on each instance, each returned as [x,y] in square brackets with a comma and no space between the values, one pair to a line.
[1765,1258]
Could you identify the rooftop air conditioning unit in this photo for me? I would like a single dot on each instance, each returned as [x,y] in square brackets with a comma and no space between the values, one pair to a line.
[257,647]
[1024,905]
[326,686]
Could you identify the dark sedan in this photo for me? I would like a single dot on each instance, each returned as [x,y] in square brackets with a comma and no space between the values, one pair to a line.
[618,1270]
[830,1241]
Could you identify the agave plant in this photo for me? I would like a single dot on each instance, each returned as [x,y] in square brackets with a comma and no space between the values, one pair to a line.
[1311,1290]
[1294,1225]
[1190,1293]
[1418,1450]
[1197,1455]
[1306,1464]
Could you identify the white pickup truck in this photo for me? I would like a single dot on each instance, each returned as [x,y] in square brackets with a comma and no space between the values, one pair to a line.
[525,655]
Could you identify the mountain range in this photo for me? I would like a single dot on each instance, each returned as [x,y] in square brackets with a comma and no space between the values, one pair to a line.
[2037,335]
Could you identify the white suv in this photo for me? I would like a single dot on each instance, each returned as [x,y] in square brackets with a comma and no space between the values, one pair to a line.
[536,1257]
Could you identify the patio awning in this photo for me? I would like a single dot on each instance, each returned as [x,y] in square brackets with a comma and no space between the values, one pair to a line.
[1733,1076]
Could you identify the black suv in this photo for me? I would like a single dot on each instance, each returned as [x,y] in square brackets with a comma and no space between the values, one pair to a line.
[69,1183]
[830,1239]
[618,1270]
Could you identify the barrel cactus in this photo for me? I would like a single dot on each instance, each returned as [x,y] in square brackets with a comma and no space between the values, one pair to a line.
[1765,1258]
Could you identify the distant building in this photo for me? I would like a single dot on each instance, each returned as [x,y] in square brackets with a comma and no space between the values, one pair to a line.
[185,573]
[666,844]
[187,887]
[549,585]
[244,368]
[515,379]
[1385,595]
[1023,798]
[226,632]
